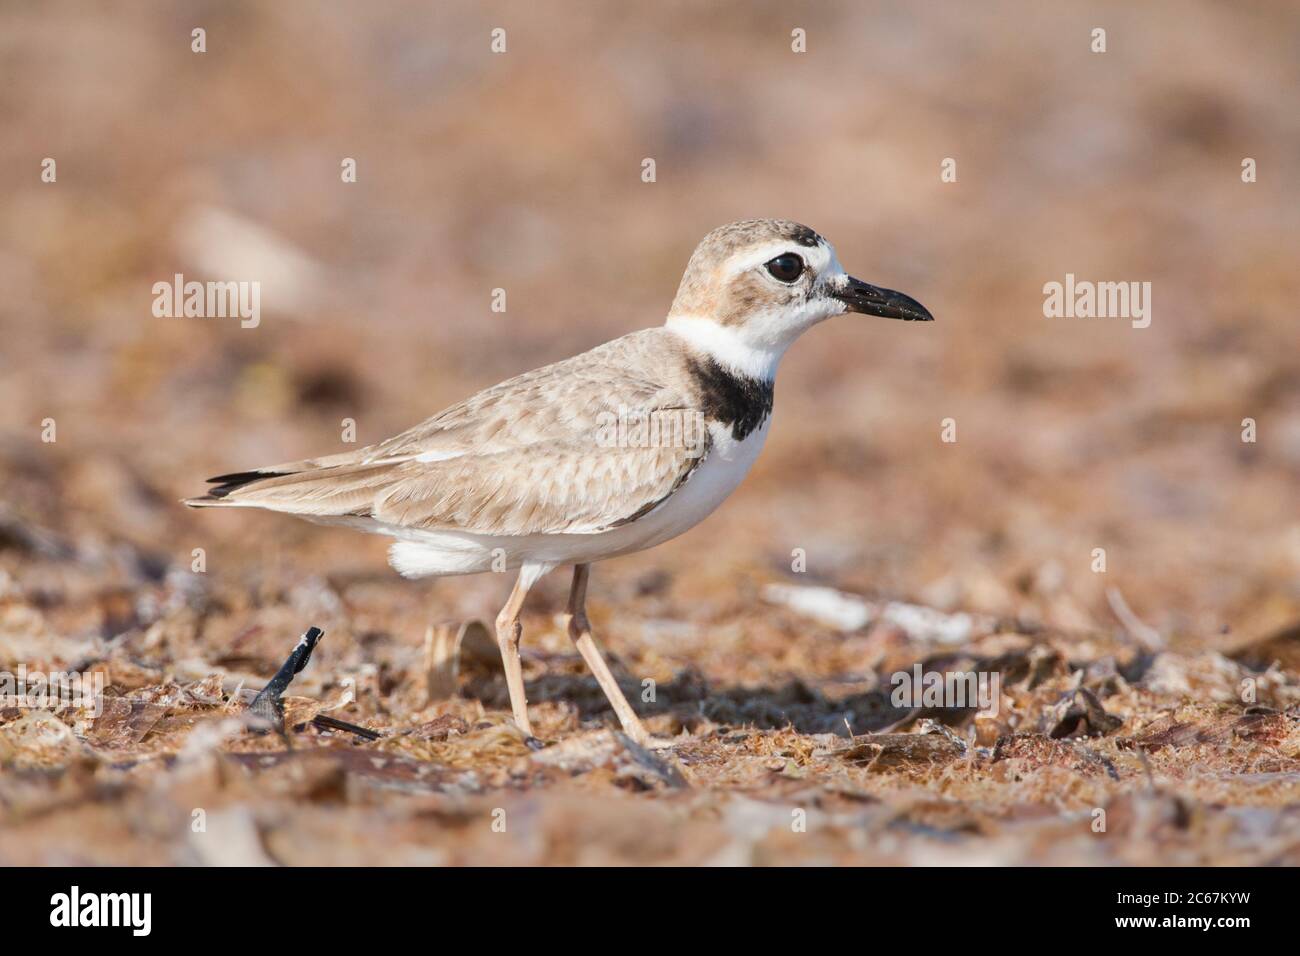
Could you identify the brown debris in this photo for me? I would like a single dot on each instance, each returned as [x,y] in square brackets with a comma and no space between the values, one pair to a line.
[616,752]
[446,645]
[882,753]
[125,722]
[1080,714]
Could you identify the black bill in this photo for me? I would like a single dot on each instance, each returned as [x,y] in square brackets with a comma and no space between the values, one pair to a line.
[859,296]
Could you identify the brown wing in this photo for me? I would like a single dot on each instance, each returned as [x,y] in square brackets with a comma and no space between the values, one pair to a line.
[541,453]
[537,490]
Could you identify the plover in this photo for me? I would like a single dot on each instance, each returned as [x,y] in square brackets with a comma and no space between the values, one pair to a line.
[609,452]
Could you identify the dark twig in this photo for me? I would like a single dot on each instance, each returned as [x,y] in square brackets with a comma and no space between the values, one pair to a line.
[268,705]
[324,722]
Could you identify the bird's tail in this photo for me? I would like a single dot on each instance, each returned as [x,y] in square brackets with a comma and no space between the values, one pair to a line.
[314,488]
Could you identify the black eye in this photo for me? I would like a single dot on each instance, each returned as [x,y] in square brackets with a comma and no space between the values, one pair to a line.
[786,267]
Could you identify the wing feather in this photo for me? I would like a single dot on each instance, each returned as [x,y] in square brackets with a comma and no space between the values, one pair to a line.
[527,456]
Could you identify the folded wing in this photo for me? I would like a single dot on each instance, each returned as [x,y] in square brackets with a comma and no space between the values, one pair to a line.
[577,447]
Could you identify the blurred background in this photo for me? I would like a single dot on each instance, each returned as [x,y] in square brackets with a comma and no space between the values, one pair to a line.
[522,171]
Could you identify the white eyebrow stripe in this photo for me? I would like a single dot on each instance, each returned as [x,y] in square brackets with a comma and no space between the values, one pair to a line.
[816,256]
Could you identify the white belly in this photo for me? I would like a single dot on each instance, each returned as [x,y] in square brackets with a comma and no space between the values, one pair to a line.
[434,553]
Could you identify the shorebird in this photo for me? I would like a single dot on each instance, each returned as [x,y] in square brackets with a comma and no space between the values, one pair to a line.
[609,452]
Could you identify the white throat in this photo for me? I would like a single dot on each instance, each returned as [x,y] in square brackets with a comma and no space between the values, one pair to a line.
[727,346]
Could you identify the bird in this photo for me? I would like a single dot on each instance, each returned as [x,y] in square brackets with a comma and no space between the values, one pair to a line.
[612,451]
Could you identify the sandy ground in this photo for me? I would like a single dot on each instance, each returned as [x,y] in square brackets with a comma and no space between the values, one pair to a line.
[1147,713]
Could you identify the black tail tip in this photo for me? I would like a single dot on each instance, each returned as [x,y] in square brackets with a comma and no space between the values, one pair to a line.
[225,484]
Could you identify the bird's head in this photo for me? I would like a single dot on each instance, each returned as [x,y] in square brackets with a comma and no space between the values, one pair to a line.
[752,287]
